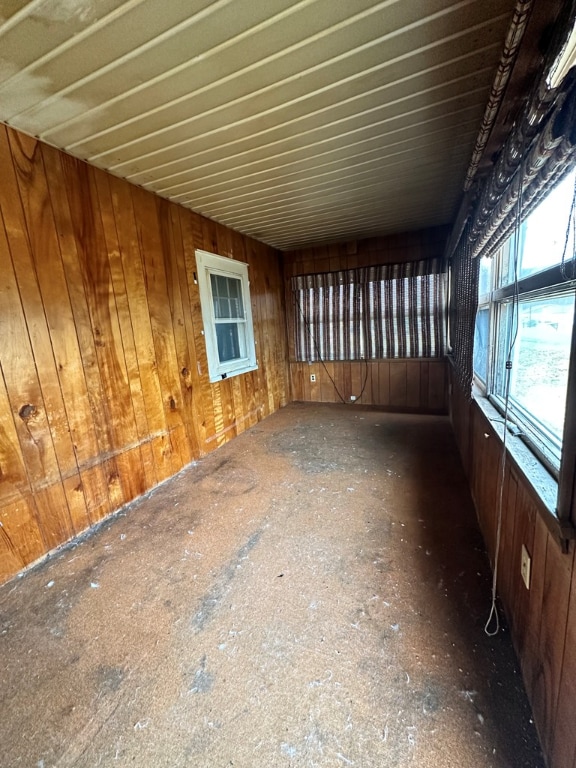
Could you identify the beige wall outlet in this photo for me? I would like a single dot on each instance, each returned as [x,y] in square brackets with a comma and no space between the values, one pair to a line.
[525,566]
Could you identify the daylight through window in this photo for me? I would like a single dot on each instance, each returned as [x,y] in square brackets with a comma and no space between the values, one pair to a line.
[525,318]
[226,312]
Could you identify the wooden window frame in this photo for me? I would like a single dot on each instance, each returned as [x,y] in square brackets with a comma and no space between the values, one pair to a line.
[208,264]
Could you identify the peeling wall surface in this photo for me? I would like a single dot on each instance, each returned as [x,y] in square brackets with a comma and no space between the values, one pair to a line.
[104,390]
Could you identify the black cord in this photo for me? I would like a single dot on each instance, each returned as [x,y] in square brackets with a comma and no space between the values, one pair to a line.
[307,324]
[570,227]
[316,347]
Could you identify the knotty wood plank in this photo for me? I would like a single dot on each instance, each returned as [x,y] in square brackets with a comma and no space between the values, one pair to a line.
[19,351]
[98,423]
[52,509]
[163,452]
[209,235]
[28,413]
[93,257]
[131,474]
[115,490]
[104,198]
[137,298]
[199,395]
[149,237]
[95,489]
[12,469]
[171,235]
[76,501]
[73,418]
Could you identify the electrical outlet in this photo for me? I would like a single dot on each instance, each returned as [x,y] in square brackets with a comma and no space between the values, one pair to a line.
[312,377]
[525,564]
[352,397]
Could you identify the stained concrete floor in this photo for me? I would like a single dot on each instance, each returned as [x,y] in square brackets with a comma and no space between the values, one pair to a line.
[311,594]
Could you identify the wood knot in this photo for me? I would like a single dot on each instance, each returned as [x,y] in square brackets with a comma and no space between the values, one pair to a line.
[27,412]
[184,371]
[172,404]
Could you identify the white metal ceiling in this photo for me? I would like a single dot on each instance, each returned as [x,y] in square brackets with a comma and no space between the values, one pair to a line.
[294,122]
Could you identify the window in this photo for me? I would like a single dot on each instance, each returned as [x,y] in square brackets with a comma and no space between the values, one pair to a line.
[524,324]
[227,315]
[387,311]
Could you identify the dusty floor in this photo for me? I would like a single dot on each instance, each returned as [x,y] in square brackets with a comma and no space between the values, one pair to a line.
[312,594]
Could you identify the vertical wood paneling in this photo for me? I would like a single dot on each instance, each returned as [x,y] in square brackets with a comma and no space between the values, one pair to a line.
[543,618]
[392,384]
[406,385]
[104,388]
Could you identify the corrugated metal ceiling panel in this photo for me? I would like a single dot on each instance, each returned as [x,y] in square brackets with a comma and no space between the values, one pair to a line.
[295,122]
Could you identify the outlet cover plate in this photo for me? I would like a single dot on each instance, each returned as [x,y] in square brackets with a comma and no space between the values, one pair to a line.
[525,567]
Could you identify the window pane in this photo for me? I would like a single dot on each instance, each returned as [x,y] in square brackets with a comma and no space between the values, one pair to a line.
[229,342]
[505,257]
[543,234]
[227,296]
[481,343]
[540,361]
[485,278]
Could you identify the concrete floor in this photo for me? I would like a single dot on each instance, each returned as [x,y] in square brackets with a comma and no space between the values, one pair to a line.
[312,594]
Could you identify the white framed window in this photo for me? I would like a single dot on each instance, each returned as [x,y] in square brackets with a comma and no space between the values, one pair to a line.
[227,315]
[524,325]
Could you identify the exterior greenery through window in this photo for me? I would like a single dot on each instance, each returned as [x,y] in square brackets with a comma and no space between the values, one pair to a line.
[227,316]
[525,316]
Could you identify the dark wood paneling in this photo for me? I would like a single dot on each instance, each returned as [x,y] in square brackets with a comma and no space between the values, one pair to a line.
[104,388]
[418,386]
[542,619]
[397,385]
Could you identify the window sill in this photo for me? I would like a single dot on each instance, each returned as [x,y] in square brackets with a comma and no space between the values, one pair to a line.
[542,487]
[230,374]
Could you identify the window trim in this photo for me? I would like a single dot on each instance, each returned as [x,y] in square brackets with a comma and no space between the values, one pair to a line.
[561,485]
[212,264]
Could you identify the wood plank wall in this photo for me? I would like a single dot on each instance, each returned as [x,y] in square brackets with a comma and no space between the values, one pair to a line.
[104,389]
[542,619]
[418,386]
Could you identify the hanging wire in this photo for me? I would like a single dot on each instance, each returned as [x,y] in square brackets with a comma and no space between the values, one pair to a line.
[570,235]
[321,360]
[493,616]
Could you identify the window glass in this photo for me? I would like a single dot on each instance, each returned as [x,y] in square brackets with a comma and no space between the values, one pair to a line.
[485,277]
[543,234]
[539,375]
[227,296]
[528,325]
[482,342]
[228,337]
